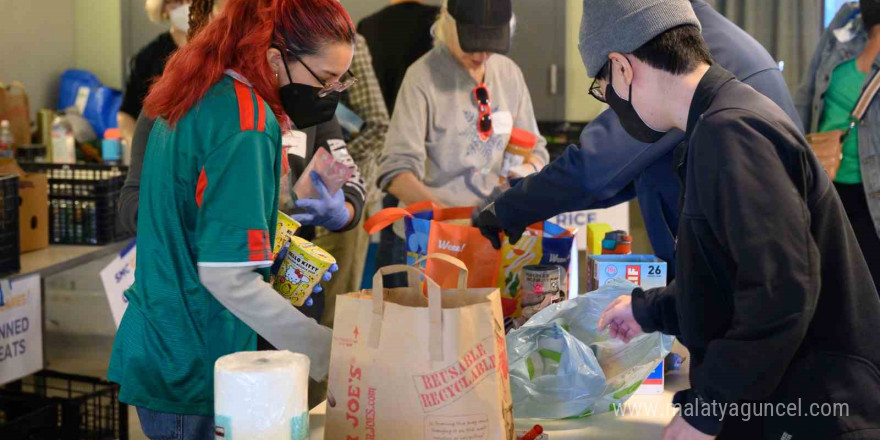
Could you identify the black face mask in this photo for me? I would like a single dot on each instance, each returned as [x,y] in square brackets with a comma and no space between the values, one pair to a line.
[629,117]
[303,105]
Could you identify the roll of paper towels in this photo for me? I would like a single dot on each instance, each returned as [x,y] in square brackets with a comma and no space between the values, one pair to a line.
[261,395]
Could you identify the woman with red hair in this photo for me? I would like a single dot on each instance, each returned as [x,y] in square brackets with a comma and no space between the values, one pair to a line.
[209,200]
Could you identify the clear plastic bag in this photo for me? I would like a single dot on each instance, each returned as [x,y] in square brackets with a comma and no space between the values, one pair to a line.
[561,366]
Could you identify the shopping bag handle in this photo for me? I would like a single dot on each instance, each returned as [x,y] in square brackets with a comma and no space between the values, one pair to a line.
[387,216]
[463,270]
[384,219]
[458,213]
[435,309]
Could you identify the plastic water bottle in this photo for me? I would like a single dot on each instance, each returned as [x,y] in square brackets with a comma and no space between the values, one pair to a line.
[63,143]
[7,140]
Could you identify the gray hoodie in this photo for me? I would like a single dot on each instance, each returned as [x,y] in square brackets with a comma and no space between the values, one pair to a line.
[433,131]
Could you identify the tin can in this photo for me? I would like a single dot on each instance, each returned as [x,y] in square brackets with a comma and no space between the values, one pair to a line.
[541,285]
[300,270]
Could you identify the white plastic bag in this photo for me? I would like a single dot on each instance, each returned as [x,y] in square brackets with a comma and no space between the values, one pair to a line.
[561,366]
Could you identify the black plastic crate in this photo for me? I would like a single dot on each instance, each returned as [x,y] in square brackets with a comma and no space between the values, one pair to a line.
[58,406]
[10,258]
[83,202]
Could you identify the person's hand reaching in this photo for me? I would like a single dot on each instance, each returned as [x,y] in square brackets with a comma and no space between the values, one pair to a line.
[328,210]
[618,317]
[489,224]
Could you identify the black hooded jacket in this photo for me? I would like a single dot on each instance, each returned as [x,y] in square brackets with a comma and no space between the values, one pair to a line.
[773,297]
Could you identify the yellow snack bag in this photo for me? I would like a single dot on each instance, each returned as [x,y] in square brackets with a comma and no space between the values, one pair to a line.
[284,231]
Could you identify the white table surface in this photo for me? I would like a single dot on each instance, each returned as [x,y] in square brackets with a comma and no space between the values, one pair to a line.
[59,257]
[606,426]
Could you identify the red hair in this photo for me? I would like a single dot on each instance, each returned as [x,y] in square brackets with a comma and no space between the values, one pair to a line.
[238,39]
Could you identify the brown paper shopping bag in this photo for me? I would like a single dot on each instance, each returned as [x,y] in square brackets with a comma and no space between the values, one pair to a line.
[15,109]
[403,366]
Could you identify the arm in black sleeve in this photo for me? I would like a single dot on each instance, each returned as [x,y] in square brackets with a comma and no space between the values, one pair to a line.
[138,83]
[655,309]
[128,197]
[757,213]
[329,136]
[597,174]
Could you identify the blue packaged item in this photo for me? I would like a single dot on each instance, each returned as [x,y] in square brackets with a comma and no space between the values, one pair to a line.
[97,103]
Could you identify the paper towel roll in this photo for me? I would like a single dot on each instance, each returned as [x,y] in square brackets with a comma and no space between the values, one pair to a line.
[261,395]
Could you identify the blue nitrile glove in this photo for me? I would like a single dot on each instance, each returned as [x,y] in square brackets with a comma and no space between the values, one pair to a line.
[327,277]
[328,210]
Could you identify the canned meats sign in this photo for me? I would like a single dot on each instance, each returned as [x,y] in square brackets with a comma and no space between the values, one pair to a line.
[21,330]
[440,388]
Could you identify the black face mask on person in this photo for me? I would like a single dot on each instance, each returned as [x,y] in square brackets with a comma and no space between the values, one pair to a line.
[303,105]
[629,117]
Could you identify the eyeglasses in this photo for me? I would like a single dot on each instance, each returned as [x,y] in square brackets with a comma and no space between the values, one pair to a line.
[329,88]
[596,89]
[484,122]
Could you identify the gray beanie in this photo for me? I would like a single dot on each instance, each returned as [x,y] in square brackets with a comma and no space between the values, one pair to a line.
[626,25]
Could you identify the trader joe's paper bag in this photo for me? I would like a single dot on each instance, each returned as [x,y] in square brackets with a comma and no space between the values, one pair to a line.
[403,367]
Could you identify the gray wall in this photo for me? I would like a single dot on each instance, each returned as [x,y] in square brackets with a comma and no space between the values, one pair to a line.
[36,46]
[359,9]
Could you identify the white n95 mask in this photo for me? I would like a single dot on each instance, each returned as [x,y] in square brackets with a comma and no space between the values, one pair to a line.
[180,17]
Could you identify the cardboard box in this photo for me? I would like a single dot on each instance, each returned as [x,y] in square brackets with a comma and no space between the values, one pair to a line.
[33,213]
[648,272]
[14,108]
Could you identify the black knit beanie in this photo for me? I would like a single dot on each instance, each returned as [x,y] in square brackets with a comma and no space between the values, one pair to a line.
[870,13]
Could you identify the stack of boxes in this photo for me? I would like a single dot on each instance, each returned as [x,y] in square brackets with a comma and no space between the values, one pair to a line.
[646,271]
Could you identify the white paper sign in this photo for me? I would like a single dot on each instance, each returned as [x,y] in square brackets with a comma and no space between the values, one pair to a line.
[502,122]
[117,277]
[21,328]
[295,141]
[616,216]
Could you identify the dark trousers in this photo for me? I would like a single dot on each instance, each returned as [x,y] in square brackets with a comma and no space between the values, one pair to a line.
[165,426]
[856,206]
[391,249]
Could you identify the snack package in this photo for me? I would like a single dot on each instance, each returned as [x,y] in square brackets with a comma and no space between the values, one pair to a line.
[298,268]
[284,232]
[333,172]
[542,243]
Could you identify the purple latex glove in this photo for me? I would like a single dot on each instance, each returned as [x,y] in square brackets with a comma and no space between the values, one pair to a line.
[327,277]
[327,210]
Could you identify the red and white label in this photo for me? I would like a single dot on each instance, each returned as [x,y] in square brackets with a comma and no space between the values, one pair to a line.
[634,274]
[440,388]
